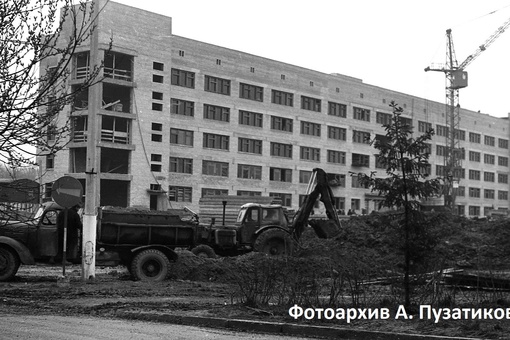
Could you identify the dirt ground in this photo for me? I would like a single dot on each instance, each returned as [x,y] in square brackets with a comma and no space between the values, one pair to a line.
[40,290]
[199,287]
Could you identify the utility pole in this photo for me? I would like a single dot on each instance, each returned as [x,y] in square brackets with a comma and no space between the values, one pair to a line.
[92,165]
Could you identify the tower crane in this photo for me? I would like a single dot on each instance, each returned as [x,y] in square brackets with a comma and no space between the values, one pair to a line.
[456,78]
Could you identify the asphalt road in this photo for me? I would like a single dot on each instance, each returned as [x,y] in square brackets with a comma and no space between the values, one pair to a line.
[88,328]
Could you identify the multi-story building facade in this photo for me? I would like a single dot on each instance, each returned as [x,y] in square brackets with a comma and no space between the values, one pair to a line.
[181,119]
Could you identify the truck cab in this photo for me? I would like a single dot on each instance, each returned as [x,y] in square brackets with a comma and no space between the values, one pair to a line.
[254,218]
[28,239]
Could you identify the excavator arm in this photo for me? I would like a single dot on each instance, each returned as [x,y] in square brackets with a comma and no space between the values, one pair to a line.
[324,228]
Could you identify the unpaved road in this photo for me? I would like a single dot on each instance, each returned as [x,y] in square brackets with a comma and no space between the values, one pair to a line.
[88,328]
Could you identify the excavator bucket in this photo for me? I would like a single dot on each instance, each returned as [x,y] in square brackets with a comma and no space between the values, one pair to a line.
[318,188]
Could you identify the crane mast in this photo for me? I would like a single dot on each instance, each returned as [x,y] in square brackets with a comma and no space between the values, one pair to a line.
[456,79]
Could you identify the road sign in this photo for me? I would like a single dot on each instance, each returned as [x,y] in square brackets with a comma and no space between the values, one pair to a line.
[67,191]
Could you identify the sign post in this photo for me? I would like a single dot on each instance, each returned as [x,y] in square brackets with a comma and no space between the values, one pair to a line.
[67,192]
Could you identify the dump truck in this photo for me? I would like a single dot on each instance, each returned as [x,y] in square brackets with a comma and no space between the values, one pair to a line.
[266,227]
[144,241]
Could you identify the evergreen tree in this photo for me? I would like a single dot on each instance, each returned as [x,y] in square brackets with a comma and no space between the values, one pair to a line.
[407,179]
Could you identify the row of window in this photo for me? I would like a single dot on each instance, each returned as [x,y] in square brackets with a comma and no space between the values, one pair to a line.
[253,92]
[185,194]
[487,193]
[473,137]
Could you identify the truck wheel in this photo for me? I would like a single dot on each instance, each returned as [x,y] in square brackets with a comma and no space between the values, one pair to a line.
[150,265]
[9,264]
[204,250]
[274,242]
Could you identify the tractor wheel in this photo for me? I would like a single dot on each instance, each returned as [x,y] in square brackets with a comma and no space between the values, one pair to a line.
[274,242]
[204,250]
[150,265]
[9,264]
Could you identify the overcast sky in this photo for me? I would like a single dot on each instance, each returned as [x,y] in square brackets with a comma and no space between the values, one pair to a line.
[386,43]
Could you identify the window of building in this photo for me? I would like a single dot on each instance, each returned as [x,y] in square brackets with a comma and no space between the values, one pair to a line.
[440,170]
[310,154]
[424,126]
[183,78]
[280,174]
[250,145]
[51,132]
[489,140]
[489,176]
[286,199]
[157,95]
[281,123]
[251,92]
[217,85]
[179,194]
[250,118]
[383,118]
[360,160]
[361,137]
[474,192]
[156,167]
[282,98]
[182,107]
[503,195]
[474,175]
[440,150]
[304,176]
[337,133]
[218,113]
[474,210]
[461,191]
[356,182]
[181,165]
[157,106]
[488,194]
[214,168]
[489,159]
[502,161]
[214,192]
[281,150]
[218,61]
[355,204]
[50,161]
[156,78]
[442,130]
[157,137]
[249,171]
[460,134]
[380,163]
[155,157]
[474,137]
[181,53]
[214,141]
[158,66]
[336,180]
[361,114]
[503,143]
[336,109]
[181,137]
[248,193]
[474,156]
[310,129]
[309,103]
[337,157]
[503,178]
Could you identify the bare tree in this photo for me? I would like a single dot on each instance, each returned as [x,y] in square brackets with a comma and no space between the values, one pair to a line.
[36,55]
